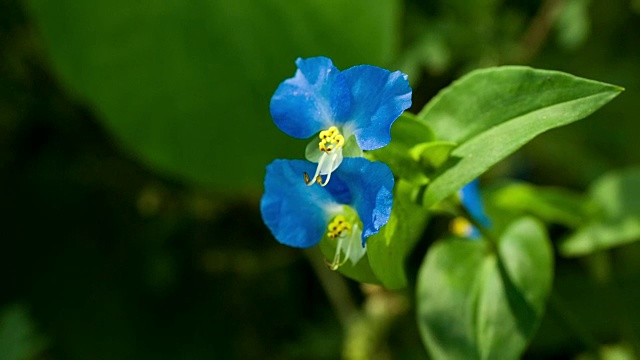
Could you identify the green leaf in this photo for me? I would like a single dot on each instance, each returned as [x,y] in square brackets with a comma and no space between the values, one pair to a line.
[387,251]
[493,112]
[407,131]
[473,304]
[617,223]
[185,85]
[432,155]
[549,204]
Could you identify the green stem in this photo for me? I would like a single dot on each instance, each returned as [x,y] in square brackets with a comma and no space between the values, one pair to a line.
[538,30]
[334,286]
[365,329]
[486,234]
[366,338]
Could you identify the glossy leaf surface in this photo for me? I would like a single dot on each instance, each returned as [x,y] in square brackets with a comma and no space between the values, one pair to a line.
[491,113]
[475,303]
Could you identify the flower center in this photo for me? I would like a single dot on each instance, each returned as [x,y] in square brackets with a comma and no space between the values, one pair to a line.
[341,229]
[337,226]
[330,145]
[345,231]
[330,140]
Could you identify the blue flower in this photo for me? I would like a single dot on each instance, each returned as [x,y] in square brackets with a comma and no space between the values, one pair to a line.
[354,106]
[472,202]
[354,206]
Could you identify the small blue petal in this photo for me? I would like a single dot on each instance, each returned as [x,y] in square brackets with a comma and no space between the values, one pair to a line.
[293,211]
[371,186]
[316,98]
[379,98]
[471,200]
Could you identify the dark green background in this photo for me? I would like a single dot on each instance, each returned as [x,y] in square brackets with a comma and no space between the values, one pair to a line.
[133,140]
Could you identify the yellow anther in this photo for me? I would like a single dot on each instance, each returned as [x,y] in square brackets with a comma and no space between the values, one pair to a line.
[330,140]
[337,226]
[328,133]
[461,227]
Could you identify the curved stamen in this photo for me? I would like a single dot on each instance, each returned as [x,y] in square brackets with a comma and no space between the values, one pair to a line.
[315,176]
[336,263]
[333,161]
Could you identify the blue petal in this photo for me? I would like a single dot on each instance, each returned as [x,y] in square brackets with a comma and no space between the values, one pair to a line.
[379,98]
[316,98]
[294,212]
[371,186]
[471,200]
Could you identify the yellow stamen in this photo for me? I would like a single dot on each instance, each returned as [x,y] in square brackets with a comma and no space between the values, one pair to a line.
[336,263]
[330,140]
[461,227]
[337,226]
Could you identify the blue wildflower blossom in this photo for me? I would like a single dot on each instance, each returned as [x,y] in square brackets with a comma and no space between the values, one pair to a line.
[360,103]
[354,206]
[471,200]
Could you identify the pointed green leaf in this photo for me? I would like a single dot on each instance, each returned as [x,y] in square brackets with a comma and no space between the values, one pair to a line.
[473,304]
[388,250]
[618,197]
[493,112]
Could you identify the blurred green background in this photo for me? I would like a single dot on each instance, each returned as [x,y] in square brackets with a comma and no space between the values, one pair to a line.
[133,141]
